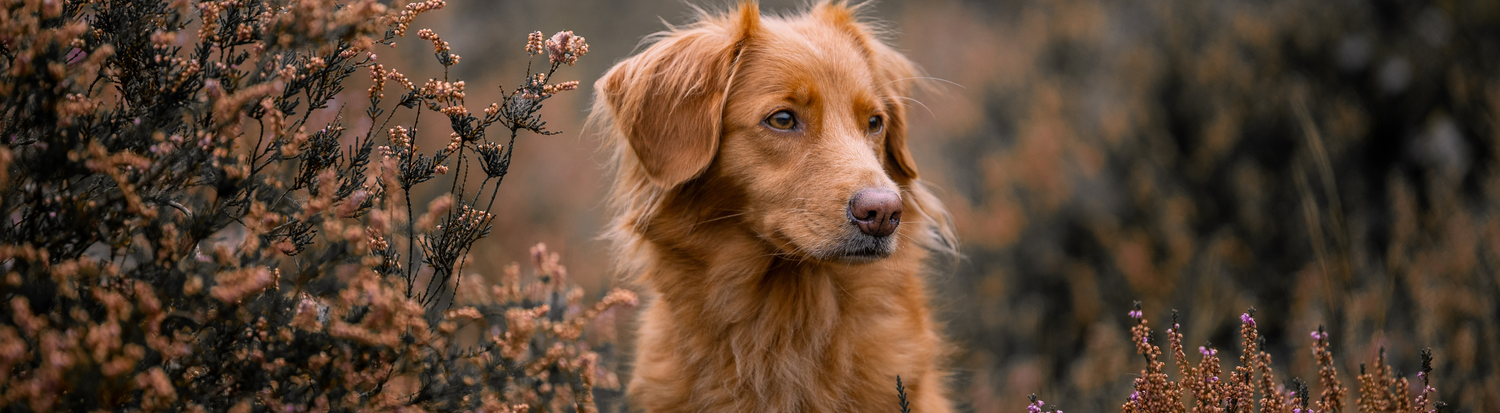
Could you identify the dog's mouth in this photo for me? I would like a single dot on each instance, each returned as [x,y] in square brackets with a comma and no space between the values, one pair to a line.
[863,248]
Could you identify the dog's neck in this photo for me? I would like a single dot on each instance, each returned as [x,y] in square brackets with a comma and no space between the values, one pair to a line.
[723,274]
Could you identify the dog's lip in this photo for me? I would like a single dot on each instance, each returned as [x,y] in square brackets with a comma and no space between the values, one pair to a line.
[864,253]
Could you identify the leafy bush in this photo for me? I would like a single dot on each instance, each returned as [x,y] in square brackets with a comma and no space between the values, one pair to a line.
[180,234]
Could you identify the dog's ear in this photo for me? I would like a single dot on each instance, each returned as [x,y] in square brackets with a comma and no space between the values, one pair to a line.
[893,71]
[668,101]
[898,74]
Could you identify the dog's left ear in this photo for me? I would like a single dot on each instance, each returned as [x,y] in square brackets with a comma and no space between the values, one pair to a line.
[668,101]
[893,71]
[898,73]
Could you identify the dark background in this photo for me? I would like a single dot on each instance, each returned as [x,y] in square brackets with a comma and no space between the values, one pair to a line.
[1328,162]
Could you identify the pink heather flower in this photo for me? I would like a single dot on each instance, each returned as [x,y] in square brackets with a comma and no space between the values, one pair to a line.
[557,46]
[1247,319]
[1135,314]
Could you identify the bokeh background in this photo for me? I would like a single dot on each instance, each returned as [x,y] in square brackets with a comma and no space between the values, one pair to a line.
[1327,162]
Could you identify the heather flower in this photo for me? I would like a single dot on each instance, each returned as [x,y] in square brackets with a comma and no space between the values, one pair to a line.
[234,286]
[1155,393]
[534,43]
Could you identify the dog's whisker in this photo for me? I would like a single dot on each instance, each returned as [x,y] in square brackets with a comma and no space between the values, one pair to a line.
[723,217]
[924,105]
[807,211]
[925,78]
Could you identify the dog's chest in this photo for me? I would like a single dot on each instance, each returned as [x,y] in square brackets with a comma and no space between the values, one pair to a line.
[790,342]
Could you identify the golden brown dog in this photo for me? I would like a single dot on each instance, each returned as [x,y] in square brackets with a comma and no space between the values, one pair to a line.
[765,197]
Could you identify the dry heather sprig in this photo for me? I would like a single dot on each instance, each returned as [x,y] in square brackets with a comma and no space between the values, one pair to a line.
[535,43]
[1156,393]
[402,21]
[1332,398]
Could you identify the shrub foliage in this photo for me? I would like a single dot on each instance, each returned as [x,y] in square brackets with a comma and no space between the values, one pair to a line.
[182,232]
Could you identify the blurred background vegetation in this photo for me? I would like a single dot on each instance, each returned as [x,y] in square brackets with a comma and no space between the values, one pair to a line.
[1327,162]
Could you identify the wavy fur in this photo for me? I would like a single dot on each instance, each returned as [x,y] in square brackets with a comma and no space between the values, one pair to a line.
[740,232]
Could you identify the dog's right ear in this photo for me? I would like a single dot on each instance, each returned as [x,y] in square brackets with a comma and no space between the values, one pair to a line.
[668,101]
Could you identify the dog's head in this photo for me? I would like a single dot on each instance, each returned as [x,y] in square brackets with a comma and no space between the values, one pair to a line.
[801,119]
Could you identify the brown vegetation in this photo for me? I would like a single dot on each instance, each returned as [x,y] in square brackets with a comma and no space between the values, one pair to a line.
[190,226]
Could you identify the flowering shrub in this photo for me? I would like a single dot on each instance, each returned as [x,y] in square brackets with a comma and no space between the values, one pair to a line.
[1155,392]
[180,233]
[1327,162]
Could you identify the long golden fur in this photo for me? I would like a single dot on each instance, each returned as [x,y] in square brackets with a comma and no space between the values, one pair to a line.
[766,296]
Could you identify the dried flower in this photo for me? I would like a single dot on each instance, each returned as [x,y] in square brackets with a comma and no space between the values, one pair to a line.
[534,43]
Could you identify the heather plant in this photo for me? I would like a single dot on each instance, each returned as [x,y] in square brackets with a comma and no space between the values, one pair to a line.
[1330,163]
[190,225]
[1204,386]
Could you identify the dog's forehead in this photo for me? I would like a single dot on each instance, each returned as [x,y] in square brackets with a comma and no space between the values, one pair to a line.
[813,48]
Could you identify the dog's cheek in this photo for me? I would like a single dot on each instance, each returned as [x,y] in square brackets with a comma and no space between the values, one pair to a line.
[814,218]
[803,232]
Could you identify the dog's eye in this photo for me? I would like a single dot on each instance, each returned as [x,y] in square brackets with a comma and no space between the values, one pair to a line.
[876,124]
[782,120]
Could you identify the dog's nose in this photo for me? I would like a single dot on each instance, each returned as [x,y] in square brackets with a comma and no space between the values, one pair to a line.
[876,211]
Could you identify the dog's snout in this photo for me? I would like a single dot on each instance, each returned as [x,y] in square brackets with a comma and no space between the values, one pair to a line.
[876,211]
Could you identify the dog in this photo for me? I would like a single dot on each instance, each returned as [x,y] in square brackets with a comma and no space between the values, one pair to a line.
[764,196]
